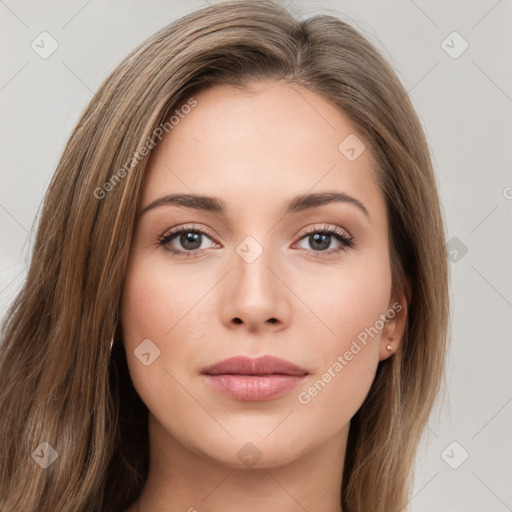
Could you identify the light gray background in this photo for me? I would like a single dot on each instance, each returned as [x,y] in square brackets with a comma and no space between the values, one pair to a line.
[465,104]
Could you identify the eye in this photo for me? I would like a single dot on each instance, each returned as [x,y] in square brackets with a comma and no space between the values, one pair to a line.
[190,239]
[321,239]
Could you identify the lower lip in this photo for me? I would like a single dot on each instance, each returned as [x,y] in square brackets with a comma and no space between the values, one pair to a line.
[254,388]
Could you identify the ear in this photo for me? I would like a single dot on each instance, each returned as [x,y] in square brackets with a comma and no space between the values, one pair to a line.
[394,328]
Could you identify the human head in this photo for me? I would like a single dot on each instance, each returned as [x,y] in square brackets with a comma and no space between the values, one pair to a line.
[76,279]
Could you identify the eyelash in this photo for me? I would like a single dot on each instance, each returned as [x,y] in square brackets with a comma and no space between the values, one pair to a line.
[346,240]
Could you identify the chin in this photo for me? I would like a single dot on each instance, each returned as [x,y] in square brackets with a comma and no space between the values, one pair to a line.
[252,450]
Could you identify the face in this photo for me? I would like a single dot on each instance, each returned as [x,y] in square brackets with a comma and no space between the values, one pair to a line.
[258,271]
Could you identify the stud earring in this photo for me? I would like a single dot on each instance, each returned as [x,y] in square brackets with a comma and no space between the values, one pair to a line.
[389,348]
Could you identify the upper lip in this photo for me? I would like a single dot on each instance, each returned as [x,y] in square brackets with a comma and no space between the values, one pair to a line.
[246,365]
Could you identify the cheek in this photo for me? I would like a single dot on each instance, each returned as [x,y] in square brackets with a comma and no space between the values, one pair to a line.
[347,350]
[156,299]
[144,308]
[165,304]
[154,306]
[345,302]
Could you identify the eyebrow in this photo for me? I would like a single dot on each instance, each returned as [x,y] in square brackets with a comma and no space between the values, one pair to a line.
[215,205]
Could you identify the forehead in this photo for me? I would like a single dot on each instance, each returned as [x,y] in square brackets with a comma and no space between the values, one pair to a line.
[270,143]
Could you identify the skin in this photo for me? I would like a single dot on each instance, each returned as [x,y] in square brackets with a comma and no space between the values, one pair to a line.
[255,151]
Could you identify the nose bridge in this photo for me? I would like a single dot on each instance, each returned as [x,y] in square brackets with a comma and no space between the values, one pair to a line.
[254,256]
[252,262]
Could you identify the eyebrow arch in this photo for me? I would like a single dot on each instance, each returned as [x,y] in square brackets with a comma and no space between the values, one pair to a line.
[297,204]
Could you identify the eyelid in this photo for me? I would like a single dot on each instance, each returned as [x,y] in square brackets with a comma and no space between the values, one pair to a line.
[189,227]
[326,227]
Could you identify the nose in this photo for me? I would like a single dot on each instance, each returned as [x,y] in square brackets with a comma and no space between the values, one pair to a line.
[255,296]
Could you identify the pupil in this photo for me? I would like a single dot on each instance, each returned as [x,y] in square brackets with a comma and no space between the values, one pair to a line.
[192,238]
[317,237]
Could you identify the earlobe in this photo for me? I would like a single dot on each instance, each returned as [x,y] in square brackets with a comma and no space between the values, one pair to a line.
[394,329]
[387,349]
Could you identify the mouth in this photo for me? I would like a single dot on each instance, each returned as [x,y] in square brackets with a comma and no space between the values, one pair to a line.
[254,379]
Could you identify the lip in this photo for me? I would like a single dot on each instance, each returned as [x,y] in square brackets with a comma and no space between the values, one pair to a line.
[254,379]
[246,365]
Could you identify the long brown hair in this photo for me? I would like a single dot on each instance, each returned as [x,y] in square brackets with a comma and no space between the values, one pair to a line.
[58,384]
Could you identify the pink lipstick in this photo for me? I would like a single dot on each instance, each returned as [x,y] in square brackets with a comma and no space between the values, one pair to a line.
[254,379]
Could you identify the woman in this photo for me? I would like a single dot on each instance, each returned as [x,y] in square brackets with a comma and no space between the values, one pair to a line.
[238,295]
